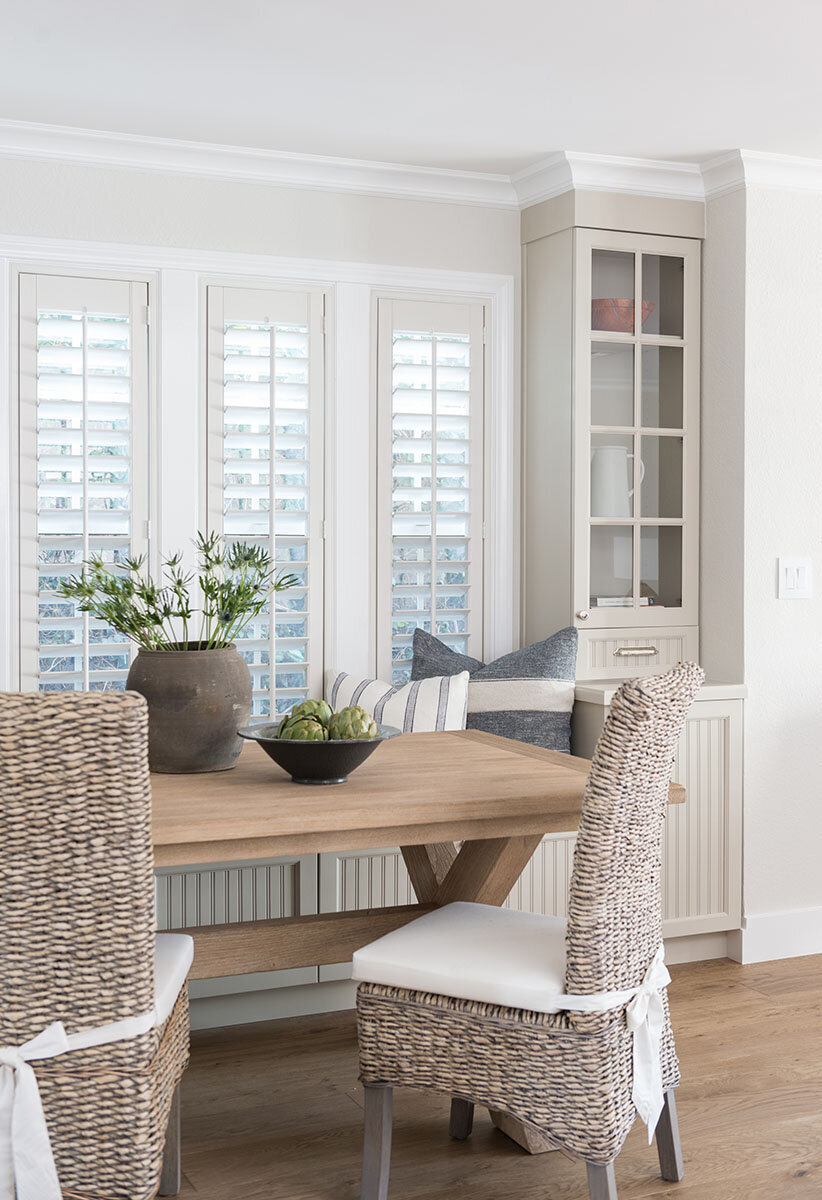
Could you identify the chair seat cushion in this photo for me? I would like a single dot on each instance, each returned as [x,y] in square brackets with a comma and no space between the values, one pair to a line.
[473,952]
[173,956]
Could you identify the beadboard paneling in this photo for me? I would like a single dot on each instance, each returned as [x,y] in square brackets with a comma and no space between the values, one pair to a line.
[543,885]
[364,879]
[701,887]
[361,879]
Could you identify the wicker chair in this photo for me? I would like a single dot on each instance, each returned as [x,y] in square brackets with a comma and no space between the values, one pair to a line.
[77,941]
[451,1003]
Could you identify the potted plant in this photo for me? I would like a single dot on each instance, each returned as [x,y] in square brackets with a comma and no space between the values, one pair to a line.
[197,686]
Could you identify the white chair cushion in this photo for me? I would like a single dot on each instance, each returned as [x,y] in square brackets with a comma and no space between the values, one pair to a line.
[473,952]
[173,956]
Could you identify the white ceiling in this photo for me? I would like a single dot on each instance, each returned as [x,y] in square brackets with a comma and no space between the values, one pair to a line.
[467,84]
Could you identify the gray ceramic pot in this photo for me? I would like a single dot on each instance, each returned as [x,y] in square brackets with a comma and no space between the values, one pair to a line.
[197,700]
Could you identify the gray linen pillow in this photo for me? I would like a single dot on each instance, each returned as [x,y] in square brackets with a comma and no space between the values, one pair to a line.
[527,695]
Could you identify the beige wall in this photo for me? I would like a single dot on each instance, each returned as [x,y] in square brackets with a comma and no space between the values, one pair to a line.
[762,497]
[108,205]
[783,515]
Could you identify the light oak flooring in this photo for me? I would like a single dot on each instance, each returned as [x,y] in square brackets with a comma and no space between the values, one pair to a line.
[274,1110]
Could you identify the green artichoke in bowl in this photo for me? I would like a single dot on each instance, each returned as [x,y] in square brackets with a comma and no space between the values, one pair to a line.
[303,729]
[320,710]
[352,724]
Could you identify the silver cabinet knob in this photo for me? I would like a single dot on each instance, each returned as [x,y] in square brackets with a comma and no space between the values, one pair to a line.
[583,614]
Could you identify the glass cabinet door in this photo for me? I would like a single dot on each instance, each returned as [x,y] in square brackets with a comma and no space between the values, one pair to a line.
[635,440]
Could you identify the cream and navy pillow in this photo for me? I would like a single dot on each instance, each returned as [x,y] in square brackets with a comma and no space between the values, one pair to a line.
[423,706]
[527,695]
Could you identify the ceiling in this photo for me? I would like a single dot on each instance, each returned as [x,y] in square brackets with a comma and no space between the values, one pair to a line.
[466,84]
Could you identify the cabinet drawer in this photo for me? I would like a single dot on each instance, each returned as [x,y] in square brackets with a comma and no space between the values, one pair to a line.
[618,654]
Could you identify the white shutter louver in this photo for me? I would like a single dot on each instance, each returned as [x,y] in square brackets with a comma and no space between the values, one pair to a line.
[431,477]
[265,472]
[83,468]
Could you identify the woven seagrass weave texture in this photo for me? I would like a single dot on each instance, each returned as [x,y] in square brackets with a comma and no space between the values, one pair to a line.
[77,931]
[567,1075]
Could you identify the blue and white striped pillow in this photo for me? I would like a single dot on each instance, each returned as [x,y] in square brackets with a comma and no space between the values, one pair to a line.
[421,707]
[527,695]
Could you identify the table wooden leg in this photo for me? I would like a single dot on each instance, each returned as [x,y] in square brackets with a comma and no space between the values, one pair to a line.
[428,866]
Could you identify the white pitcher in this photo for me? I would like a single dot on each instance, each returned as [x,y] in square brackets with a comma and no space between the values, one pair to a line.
[611,478]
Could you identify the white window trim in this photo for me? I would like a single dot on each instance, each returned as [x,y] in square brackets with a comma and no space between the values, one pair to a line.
[479,326]
[176,276]
[11,517]
[211,469]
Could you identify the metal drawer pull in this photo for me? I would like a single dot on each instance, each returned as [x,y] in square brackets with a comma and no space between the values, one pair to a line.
[636,651]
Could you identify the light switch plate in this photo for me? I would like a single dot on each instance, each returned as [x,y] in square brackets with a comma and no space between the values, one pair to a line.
[795,577]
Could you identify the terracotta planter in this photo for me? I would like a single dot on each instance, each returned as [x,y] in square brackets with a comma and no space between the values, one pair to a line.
[197,700]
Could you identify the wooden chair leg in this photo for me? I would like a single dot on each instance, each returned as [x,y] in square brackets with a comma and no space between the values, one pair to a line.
[376,1151]
[462,1119]
[170,1175]
[601,1182]
[668,1145]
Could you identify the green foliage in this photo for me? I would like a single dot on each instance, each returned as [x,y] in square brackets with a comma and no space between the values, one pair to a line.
[235,583]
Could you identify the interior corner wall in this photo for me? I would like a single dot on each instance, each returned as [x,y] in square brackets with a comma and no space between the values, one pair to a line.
[783,515]
[722,425]
[102,204]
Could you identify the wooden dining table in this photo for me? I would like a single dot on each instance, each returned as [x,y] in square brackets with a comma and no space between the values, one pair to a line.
[423,792]
[468,809]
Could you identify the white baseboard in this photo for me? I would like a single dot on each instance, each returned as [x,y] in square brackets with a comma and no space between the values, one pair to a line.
[765,937]
[697,947]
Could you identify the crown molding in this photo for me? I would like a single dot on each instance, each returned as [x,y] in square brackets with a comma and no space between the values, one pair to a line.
[205,160]
[557,173]
[723,174]
[752,168]
[785,171]
[569,170]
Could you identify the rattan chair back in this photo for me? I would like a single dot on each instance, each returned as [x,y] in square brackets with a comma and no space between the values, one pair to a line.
[76,886]
[614,907]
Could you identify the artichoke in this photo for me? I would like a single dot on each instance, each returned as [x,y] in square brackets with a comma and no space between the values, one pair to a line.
[351,723]
[320,710]
[303,729]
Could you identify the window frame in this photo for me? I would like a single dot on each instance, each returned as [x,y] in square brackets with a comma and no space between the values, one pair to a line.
[478,326]
[211,456]
[22,526]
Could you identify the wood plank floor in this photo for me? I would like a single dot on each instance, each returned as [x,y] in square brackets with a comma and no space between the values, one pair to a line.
[273,1110]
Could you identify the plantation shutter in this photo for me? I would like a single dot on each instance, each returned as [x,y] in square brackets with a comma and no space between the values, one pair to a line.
[265,471]
[430,478]
[83,470]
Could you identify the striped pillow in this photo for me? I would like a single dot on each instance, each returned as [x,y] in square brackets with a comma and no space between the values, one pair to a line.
[421,707]
[527,695]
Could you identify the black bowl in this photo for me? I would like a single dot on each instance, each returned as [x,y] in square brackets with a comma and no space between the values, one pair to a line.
[316,762]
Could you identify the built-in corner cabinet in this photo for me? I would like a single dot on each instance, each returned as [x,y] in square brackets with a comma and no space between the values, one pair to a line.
[611,447]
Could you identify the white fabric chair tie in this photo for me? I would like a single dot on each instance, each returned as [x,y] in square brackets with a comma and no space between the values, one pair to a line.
[26,1161]
[645,1016]
[27,1170]
[646,1020]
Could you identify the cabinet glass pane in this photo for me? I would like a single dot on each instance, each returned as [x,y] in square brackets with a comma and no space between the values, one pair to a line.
[663,277]
[612,291]
[660,558]
[612,384]
[612,475]
[661,387]
[612,566]
[661,491]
